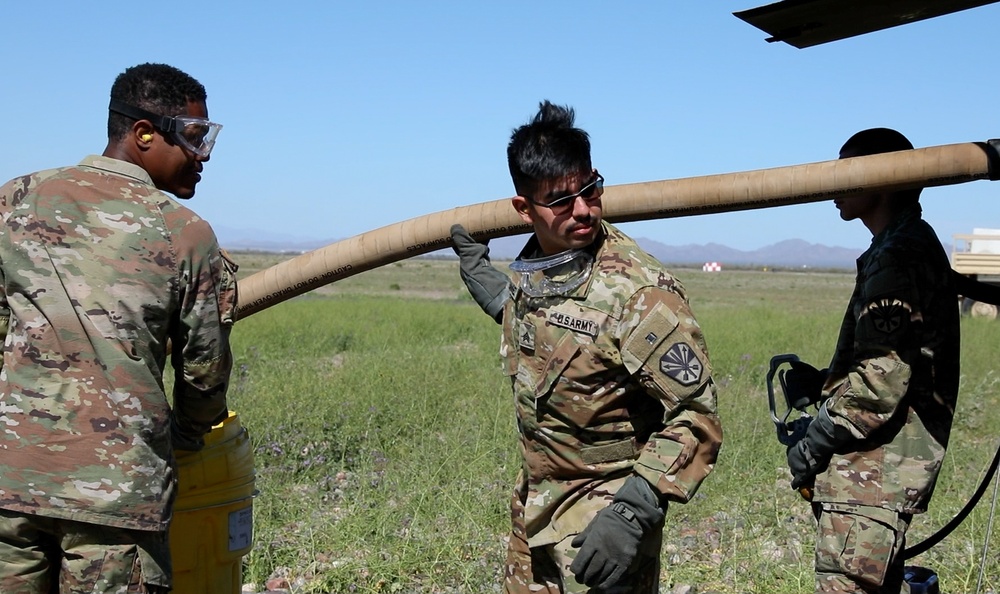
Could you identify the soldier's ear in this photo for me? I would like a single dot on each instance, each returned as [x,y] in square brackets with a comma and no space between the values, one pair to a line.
[523,208]
[143,133]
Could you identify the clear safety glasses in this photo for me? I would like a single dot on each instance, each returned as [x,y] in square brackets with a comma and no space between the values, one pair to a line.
[195,134]
[553,276]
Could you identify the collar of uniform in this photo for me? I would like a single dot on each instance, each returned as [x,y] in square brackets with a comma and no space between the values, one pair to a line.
[595,249]
[910,213]
[905,216]
[117,167]
[533,250]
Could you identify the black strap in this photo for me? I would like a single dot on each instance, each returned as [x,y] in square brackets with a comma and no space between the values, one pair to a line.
[975,290]
[985,293]
[159,121]
[992,149]
[925,545]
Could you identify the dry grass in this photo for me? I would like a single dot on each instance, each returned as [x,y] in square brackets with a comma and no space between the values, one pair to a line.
[386,448]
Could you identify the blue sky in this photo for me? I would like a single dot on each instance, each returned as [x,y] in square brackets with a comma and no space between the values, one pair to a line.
[340,118]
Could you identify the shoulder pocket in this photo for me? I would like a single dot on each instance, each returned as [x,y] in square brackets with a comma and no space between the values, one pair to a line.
[228,298]
[658,324]
[667,353]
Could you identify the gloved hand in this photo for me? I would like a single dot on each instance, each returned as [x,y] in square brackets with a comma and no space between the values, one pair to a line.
[609,544]
[489,287]
[803,384]
[811,454]
[804,464]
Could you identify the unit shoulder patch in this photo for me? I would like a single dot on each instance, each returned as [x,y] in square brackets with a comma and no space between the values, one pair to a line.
[681,364]
[887,316]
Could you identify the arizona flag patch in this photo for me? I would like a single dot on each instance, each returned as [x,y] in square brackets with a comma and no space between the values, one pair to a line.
[681,364]
[887,316]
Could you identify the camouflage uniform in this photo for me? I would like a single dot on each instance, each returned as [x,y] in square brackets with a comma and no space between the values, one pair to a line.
[893,383]
[609,381]
[103,276]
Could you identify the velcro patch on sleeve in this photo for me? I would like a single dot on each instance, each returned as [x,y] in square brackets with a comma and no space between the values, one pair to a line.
[658,324]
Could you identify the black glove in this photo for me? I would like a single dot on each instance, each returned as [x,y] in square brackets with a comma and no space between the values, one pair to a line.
[803,384]
[489,287]
[804,464]
[811,454]
[609,544]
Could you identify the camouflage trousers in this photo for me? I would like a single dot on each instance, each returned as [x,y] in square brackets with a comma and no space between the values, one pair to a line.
[858,549]
[545,570]
[40,555]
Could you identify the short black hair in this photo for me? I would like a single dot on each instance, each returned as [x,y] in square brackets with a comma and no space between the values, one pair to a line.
[547,147]
[158,88]
[874,141]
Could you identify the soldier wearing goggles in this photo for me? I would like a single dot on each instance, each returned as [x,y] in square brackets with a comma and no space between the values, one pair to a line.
[193,133]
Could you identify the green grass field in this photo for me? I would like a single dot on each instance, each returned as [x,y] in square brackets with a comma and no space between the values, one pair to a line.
[385,445]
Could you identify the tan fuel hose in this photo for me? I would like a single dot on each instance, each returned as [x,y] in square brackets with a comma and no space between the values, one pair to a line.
[746,190]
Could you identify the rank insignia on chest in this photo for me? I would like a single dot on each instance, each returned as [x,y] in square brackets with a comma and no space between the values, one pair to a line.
[526,337]
[575,324]
[681,364]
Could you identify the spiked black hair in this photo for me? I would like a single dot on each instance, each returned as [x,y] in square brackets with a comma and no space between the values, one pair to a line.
[547,147]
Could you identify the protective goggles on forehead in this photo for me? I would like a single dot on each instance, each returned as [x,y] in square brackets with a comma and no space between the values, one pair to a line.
[553,276]
[195,134]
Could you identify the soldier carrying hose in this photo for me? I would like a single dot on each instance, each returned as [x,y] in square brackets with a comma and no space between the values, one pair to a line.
[99,269]
[615,403]
[871,456]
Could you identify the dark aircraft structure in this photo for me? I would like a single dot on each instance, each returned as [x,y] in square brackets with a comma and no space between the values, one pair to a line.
[805,23]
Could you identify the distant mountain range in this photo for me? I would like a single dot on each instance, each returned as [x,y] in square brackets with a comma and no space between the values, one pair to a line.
[791,253]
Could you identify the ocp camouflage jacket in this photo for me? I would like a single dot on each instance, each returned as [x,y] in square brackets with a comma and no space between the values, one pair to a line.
[99,271]
[612,380]
[894,378]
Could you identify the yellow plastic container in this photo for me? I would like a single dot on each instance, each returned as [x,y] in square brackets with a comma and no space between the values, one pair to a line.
[212,528]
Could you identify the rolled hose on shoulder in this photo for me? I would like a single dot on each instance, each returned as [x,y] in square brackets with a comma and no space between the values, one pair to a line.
[747,190]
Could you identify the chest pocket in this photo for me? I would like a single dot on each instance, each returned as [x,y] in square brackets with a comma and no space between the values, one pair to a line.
[536,366]
[555,364]
[539,350]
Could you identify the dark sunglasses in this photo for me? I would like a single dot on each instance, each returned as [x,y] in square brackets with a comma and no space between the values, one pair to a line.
[591,191]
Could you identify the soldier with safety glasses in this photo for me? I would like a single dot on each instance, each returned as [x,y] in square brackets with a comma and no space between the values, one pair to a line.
[614,399]
[101,269]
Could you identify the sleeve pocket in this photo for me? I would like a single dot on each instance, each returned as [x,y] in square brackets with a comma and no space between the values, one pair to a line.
[228,297]
[658,324]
